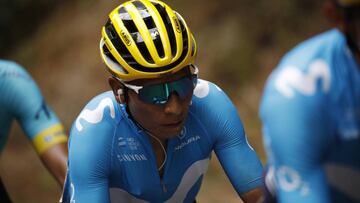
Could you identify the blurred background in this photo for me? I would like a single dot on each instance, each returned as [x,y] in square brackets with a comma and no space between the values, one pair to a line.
[57,41]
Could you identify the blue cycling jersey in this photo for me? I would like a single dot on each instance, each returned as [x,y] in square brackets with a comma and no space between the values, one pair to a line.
[21,99]
[311,122]
[111,158]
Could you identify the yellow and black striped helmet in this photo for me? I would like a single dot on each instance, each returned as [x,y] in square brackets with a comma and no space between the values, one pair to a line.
[146,39]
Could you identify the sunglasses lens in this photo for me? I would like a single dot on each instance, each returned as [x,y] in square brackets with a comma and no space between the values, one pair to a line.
[183,87]
[154,94]
[159,93]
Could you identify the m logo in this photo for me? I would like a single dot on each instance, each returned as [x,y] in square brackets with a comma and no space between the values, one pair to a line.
[96,115]
[292,79]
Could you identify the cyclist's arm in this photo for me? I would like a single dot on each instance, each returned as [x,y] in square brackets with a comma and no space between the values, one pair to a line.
[253,195]
[236,156]
[90,153]
[297,135]
[243,168]
[37,120]
[87,179]
[55,159]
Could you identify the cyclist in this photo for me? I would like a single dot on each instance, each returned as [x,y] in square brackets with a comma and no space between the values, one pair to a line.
[21,99]
[150,139]
[311,114]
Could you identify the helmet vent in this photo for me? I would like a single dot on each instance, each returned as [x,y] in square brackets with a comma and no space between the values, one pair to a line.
[116,65]
[126,19]
[150,24]
[116,41]
[139,6]
[168,27]
[172,39]
[145,52]
[131,27]
[185,36]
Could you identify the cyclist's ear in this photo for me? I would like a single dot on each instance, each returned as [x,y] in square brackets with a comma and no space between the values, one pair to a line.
[118,90]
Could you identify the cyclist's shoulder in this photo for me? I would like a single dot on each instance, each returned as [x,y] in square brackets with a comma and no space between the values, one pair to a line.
[19,91]
[6,65]
[12,72]
[307,69]
[100,114]
[211,105]
[323,45]
[326,46]
[315,48]
[209,99]
[92,132]
[207,92]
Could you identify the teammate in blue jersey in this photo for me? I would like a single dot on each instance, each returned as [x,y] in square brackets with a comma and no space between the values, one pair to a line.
[311,115]
[21,100]
[151,138]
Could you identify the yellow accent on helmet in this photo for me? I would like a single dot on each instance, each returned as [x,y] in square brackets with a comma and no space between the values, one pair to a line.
[146,39]
[348,3]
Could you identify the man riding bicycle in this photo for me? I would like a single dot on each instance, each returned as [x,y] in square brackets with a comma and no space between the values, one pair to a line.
[150,139]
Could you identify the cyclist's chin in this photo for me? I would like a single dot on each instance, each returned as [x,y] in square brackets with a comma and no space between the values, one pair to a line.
[169,131]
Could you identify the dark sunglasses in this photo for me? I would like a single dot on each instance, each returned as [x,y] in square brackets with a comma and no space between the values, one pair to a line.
[159,93]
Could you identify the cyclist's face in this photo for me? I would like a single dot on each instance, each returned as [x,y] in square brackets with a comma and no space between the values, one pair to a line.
[165,120]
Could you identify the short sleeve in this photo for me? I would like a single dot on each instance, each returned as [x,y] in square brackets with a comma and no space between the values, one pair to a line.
[222,121]
[24,101]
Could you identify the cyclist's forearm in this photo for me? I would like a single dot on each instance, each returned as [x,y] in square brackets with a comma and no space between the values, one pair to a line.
[253,196]
[55,160]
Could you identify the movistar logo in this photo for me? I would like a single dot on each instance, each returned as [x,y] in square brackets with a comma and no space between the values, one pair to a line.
[292,80]
[177,24]
[94,116]
[125,37]
[186,142]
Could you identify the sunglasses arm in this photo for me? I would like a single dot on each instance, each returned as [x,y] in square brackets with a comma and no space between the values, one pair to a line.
[133,87]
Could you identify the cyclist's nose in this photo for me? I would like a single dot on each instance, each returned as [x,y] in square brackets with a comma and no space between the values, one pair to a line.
[173,105]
